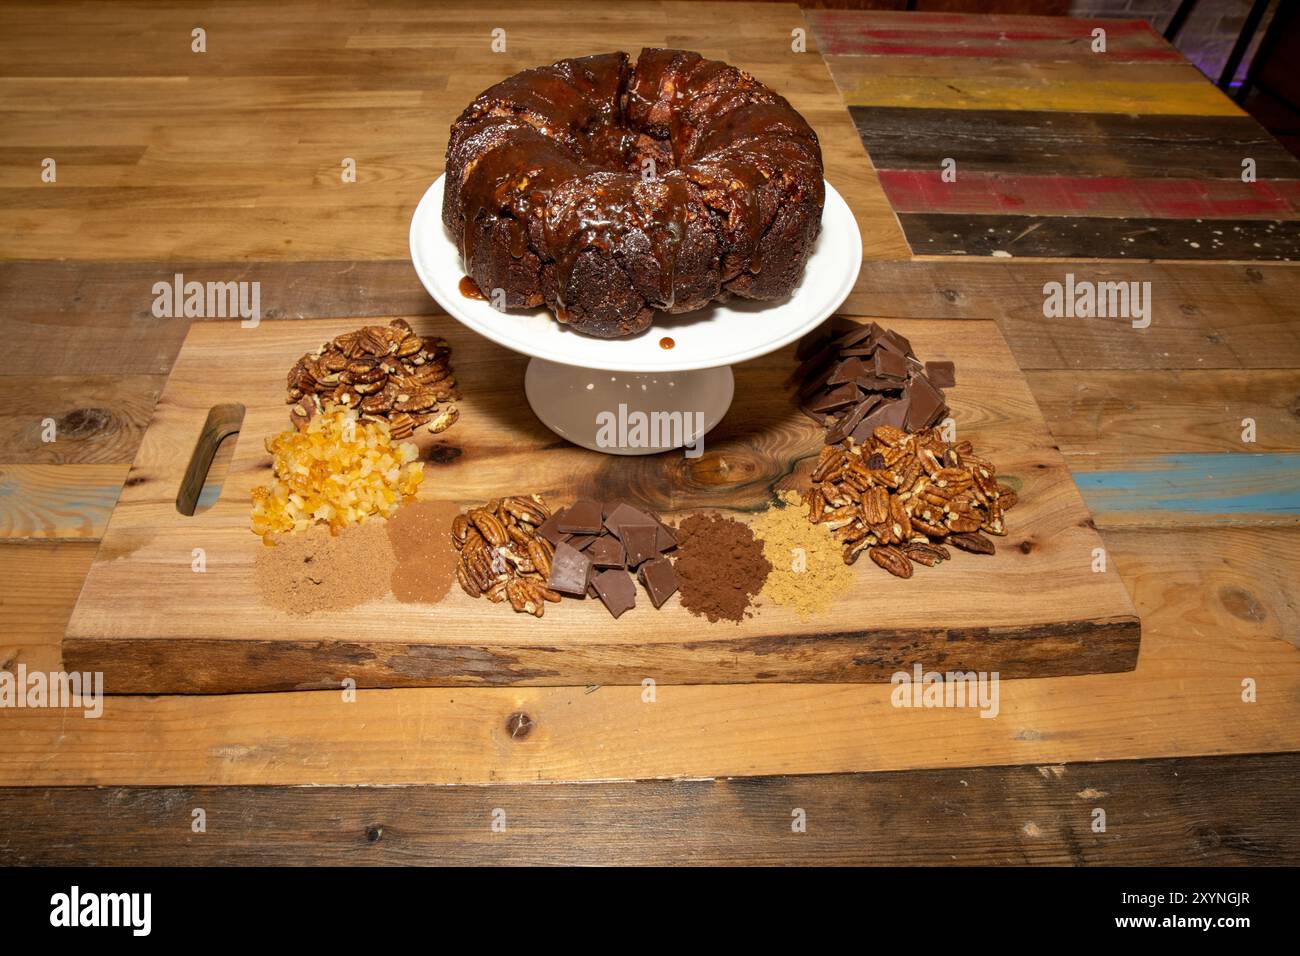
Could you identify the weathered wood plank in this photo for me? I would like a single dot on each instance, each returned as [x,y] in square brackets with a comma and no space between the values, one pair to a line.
[58,501]
[1095,95]
[1218,811]
[1263,240]
[1123,197]
[882,33]
[1038,143]
[1217,605]
[1150,412]
[107,308]
[1190,489]
[42,581]
[35,657]
[1032,74]
[1202,316]
[93,419]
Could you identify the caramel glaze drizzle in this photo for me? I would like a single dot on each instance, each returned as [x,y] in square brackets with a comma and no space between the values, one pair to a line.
[469,289]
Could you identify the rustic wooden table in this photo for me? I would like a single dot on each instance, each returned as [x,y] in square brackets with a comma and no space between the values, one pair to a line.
[225,165]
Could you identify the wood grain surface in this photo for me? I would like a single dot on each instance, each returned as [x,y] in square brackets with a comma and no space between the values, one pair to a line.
[1068,620]
[298,87]
[1212,812]
[239,181]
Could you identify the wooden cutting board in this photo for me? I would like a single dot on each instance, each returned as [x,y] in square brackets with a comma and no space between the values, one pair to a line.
[153,625]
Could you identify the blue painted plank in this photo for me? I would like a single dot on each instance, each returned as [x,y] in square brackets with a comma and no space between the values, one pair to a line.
[1223,484]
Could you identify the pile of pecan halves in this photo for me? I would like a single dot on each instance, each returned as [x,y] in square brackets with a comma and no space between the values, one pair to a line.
[904,497]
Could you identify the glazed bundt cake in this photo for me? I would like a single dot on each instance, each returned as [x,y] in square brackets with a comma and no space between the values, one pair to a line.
[609,191]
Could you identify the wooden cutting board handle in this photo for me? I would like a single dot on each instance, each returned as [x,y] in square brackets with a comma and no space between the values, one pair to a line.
[222,422]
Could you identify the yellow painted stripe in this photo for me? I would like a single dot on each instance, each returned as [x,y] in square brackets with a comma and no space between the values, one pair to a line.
[1098,96]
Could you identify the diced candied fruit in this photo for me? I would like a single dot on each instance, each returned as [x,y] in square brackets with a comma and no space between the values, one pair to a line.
[338,470]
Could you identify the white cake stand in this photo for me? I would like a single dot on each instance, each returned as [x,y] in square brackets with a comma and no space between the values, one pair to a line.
[635,396]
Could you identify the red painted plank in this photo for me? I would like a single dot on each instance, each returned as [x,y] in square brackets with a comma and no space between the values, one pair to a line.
[923,191]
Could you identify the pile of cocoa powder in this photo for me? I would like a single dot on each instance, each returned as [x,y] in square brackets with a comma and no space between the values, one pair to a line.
[720,566]
[426,558]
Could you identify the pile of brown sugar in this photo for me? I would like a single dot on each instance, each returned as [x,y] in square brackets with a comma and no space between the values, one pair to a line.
[808,569]
[420,534]
[316,571]
[720,566]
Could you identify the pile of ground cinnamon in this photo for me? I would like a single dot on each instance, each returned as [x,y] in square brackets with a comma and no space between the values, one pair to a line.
[316,571]
[720,566]
[808,569]
[420,534]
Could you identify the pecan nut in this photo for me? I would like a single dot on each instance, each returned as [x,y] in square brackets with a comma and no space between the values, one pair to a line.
[973,542]
[892,560]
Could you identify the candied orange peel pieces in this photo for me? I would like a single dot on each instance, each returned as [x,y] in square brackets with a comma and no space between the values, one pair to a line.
[338,471]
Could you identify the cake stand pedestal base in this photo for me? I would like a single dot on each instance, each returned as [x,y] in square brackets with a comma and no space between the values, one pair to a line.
[628,413]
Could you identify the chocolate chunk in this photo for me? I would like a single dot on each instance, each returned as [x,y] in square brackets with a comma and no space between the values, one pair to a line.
[665,540]
[858,336]
[887,413]
[891,365]
[848,371]
[581,541]
[941,374]
[811,364]
[889,345]
[812,343]
[660,580]
[640,541]
[606,552]
[888,338]
[838,397]
[817,381]
[926,406]
[616,590]
[838,325]
[570,570]
[846,425]
[550,529]
[872,383]
[623,514]
[581,517]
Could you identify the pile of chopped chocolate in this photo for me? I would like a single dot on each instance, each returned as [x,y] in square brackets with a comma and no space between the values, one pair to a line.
[854,378]
[597,546]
